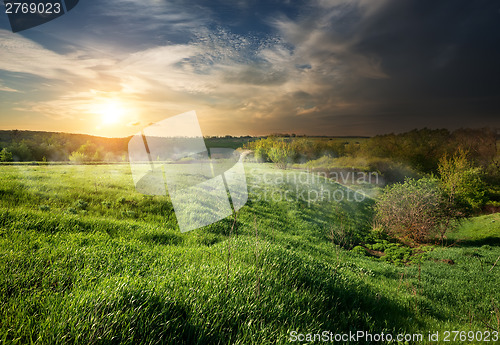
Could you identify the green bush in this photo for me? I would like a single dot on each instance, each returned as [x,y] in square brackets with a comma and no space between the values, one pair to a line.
[359,250]
[397,253]
[281,154]
[415,210]
[283,151]
[88,152]
[462,183]
[5,155]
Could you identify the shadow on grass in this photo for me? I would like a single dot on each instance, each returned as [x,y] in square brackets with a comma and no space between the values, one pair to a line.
[491,241]
[163,239]
[340,304]
[136,316]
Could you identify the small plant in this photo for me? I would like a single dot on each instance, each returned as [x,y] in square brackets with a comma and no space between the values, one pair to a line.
[72,210]
[81,204]
[88,152]
[276,150]
[130,214]
[397,253]
[44,208]
[360,250]
[341,238]
[106,204]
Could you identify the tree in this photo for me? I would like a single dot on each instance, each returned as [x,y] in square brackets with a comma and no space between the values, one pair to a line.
[480,144]
[78,157]
[260,149]
[462,182]
[88,152]
[420,149]
[281,154]
[5,155]
[20,151]
[415,210]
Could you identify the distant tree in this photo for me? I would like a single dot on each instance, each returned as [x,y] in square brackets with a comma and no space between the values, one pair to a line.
[306,149]
[21,151]
[88,152]
[260,148]
[415,210]
[479,143]
[5,155]
[421,149]
[78,157]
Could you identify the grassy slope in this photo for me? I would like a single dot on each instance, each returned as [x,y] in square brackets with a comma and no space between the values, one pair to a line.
[478,231]
[85,259]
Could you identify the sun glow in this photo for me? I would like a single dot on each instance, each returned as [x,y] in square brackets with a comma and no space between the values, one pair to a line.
[111,112]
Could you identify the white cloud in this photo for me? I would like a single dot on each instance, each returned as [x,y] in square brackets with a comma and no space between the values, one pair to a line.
[22,55]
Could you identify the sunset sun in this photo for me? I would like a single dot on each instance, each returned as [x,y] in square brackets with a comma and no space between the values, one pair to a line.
[111,112]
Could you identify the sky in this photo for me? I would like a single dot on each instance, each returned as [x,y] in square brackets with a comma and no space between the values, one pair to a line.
[255,67]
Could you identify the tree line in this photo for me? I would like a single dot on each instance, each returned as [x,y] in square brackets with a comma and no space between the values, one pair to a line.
[25,146]
[420,149]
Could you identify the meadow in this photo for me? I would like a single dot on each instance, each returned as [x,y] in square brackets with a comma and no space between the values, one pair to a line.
[85,259]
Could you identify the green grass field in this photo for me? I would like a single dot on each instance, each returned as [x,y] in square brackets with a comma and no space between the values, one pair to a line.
[84,259]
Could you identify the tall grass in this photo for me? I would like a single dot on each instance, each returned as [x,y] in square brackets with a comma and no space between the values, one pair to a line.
[84,259]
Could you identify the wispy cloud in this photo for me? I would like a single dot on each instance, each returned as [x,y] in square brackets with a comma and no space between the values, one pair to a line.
[149,22]
[7,89]
[23,55]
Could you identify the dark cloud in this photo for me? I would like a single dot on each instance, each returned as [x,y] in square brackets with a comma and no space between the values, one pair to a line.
[442,60]
[395,65]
